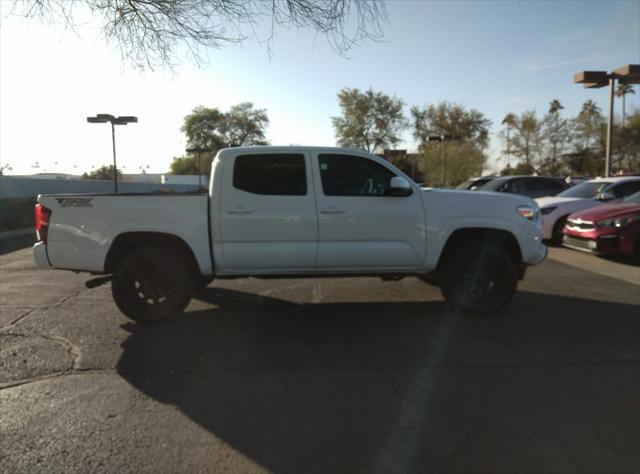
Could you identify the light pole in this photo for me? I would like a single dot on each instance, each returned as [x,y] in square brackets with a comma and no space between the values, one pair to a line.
[442,139]
[123,120]
[629,74]
[197,151]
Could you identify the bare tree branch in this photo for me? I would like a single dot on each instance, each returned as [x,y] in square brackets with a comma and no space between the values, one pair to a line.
[151,33]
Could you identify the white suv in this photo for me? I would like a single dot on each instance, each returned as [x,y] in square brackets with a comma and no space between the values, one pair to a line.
[595,192]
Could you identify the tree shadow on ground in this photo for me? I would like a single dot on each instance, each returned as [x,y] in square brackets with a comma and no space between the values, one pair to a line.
[372,387]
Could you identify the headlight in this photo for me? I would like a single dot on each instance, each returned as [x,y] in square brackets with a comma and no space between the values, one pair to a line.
[528,212]
[619,221]
[548,210]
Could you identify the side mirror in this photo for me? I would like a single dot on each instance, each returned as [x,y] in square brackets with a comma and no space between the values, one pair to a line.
[399,186]
[605,196]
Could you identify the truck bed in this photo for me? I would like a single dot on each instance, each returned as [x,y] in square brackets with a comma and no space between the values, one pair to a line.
[83,226]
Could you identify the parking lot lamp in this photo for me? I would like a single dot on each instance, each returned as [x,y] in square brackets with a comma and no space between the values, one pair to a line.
[123,120]
[629,74]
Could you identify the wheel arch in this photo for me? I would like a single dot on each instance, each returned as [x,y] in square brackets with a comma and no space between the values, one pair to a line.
[128,242]
[472,235]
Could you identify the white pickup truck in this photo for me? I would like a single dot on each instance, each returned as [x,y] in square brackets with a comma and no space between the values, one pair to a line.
[293,212]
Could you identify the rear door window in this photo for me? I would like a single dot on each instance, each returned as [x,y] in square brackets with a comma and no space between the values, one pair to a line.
[271,174]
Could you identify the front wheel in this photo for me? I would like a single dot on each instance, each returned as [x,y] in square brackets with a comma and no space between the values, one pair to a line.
[478,279]
[556,235]
[151,285]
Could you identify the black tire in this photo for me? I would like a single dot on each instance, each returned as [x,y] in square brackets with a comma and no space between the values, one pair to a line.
[556,234]
[478,280]
[152,285]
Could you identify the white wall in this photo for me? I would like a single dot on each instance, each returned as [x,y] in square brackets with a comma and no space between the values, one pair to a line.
[26,187]
[184,179]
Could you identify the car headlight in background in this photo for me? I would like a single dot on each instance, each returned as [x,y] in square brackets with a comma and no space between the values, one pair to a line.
[528,212]
[548,210]
[619,221]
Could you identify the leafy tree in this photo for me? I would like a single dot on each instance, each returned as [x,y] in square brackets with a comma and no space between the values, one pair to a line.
[450,120]
[104,172]
[370,120]
[462,153]
[244,125]
[588,138]
[588,125]
[520,168]
[201,127]
[149,33]
[556,135]
[527,139]
[189,164]
[212,129]
[209,128]
[448,164]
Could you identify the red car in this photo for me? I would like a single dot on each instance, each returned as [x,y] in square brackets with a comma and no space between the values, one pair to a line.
[612,229]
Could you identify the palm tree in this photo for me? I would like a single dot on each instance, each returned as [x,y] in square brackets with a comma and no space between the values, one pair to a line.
[622,91]
[554,111]
[589,116]
[510,121]
[555,106]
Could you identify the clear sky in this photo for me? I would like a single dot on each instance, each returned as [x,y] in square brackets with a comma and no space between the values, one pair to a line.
[497,57]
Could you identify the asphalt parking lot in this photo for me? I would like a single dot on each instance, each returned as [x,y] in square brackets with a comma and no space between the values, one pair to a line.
[331,375]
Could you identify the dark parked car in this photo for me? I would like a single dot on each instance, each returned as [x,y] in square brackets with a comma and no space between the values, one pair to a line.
[531,186]
[474,183]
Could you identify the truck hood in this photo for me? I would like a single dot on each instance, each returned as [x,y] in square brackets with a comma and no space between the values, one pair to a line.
[467,196]
[608,211]
[459,203]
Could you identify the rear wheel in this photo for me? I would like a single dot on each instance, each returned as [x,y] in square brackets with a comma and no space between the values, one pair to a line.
[151,285]
[478,279]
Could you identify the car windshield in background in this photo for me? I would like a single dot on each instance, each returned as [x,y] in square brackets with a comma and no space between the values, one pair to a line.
[466,185]
[492,185]
[584,190]
[474,184]
[634,198]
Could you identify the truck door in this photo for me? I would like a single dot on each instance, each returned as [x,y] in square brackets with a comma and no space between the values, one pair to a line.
[360,226]
[268,213]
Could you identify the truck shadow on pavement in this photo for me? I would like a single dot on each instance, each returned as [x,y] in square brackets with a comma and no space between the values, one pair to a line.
[371,387]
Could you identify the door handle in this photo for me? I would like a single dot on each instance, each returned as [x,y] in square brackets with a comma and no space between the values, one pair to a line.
[332,210]
[240,211]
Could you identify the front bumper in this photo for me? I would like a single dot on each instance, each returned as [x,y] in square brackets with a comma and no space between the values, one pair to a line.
[40,255]
[604,244]
[539,255]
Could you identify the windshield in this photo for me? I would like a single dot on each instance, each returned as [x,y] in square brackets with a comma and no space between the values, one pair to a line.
[634,198]
[585,190]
